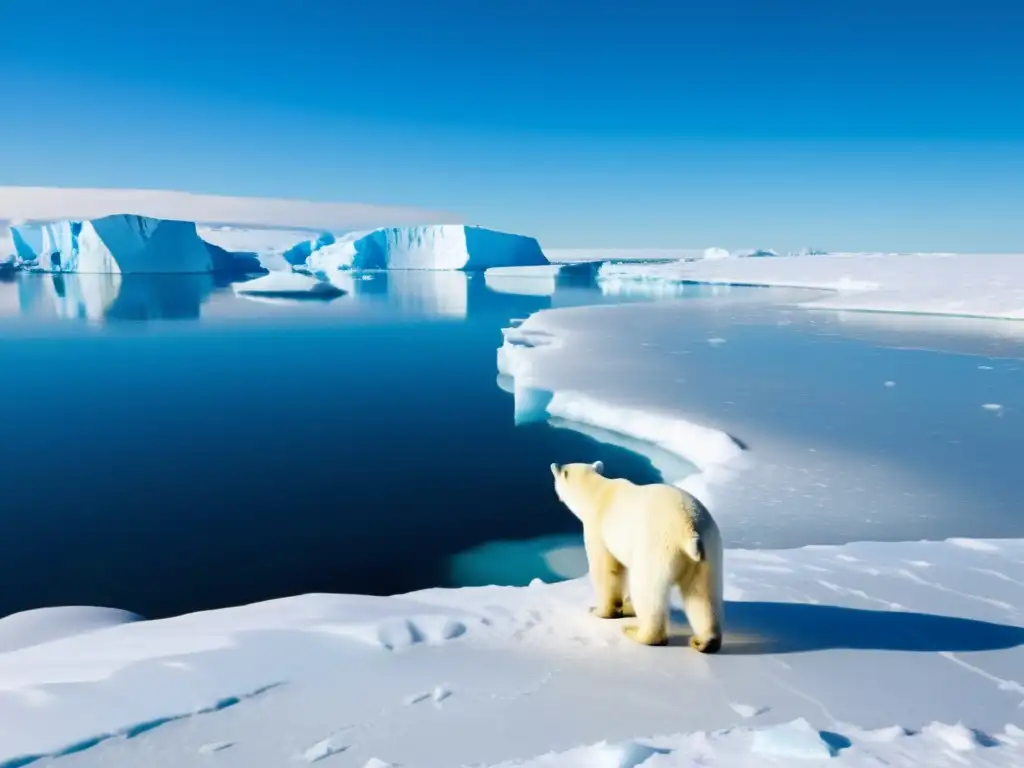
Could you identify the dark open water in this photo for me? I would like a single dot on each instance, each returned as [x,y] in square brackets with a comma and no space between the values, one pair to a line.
[168,447]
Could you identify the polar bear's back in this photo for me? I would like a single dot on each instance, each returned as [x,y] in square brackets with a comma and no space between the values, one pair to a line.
[645,518]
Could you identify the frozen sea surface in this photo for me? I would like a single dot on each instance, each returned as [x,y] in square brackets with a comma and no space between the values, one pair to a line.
[851,426]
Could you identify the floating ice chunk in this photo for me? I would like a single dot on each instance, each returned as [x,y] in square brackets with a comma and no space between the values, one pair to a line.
[441,246]
[795,739]
[287,286]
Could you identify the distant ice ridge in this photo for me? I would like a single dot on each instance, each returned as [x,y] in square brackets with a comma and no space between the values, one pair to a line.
[575,255]
[967,285]
[124,244]
[434,247]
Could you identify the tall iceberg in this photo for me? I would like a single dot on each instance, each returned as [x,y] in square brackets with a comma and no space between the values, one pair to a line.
[124,244]
[435,247]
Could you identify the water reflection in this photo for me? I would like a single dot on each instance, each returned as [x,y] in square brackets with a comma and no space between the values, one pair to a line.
[105,297]
[444,295]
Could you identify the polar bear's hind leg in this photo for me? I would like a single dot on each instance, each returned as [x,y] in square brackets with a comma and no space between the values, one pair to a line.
[649,591]
[699,603]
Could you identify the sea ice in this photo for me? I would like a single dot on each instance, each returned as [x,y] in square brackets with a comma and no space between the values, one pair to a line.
[976,285]
[784,453]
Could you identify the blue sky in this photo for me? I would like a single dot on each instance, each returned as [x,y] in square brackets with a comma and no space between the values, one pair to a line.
[895,124]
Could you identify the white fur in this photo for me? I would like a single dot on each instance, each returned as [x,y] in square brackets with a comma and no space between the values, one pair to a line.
[642,540]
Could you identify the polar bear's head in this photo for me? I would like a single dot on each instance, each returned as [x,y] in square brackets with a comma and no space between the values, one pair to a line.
[574,484]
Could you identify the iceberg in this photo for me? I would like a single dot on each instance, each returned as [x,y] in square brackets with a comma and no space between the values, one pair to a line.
[434,247]
[300,252]
[124,244]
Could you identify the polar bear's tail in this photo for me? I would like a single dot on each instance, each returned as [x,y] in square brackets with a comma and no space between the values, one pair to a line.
[693,546]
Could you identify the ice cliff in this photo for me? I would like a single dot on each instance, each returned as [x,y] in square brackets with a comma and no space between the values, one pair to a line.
[440,246]
[124,244]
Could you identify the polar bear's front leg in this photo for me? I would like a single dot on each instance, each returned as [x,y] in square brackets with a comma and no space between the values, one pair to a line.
[608,577]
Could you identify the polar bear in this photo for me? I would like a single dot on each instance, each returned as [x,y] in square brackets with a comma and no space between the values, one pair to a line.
[641,540]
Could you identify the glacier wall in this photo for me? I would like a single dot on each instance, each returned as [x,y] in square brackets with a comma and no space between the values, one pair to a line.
[434,247]
[124,244]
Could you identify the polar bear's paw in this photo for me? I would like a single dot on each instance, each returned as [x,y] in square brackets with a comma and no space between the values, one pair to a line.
[619,611]
[711,644]
[634,634]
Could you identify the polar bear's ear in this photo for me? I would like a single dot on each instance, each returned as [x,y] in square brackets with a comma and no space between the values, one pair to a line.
[555,469]
[598,466]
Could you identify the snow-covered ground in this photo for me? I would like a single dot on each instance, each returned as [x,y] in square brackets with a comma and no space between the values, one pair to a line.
[866,654]
[978,285]
[889,652]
